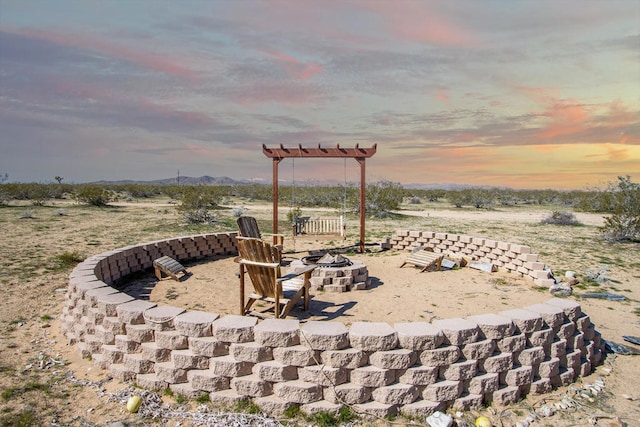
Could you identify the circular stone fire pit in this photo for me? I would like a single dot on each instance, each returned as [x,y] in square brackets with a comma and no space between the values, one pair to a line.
[334,273]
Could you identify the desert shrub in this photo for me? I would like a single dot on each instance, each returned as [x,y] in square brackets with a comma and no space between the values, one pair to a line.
[293,213]
[561,218]
[69,259]
[196,205]
[415,200]
[383,197]
[27,214]
[624,206]
[238,212]
[94,195]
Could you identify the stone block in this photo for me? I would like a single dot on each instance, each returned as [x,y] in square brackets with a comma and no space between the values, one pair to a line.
[583,323]
[167,372]
[132,312]
[151,382]
[91,295]
[323,375]
[274,371]
[371,376]
[553,316]
[518,376]
[140,333]
[548,368]
[524,320]
[126,345]
[372,336]
[467,402]
[195,323]
[250,352]
[321,406]
[482,384]
[398,394]
[227,366]
[440,356]
[566,331]
[227,398]
[138,364]
[251,385]
[185,390]
[479,350]
[348,393]
[459,371]
[338,288]
[493,326]
[298,391]
[499,363]
[419,375]
[541,338]
[505,396]
[570,308]
[320,335]
[558,348]
[418,335]
[377,410]
[119,372]
[208,346]
[105,336]
[297,355]
[530,356]
[277,332]
[114,325]
[151,351]
[207,380]
[576,341]
[458,331]
[273,405]
[512,344]
[349,358]
[421,408]
[186,359]
[234,328]
[171,339]
[112,354]
[442,391]
[161,318]
[541,386]
[393,359]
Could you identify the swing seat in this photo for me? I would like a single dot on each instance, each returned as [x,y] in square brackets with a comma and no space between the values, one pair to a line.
[248,227]
[319,226]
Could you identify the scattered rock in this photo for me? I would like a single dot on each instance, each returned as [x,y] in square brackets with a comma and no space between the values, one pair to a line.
[439,419]
[560,290]
[569,273]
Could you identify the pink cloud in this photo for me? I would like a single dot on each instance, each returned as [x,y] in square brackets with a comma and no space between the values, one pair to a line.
[418,21]
[295,68]
[152,61]
[443,95]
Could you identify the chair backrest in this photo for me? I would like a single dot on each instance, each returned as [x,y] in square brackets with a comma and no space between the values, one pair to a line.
[261,264]
[249,227]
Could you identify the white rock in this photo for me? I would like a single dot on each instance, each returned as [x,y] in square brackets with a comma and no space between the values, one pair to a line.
[439,419]
[570,273]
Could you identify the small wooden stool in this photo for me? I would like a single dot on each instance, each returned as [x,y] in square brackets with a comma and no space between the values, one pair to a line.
[169,267]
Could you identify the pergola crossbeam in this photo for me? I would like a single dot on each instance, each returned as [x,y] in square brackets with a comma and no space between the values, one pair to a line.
[357,153]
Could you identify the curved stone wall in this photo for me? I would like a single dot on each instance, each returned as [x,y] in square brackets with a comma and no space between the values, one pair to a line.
[410,368]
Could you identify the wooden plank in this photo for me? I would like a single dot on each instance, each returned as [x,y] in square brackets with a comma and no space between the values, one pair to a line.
[168,266]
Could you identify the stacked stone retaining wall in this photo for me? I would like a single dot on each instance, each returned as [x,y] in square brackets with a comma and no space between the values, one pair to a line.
[508,256]
[411,368]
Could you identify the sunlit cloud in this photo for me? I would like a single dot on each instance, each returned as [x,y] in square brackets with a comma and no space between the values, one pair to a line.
[295,68]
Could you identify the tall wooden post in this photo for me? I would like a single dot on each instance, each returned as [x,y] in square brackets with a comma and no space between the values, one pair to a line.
[360,154]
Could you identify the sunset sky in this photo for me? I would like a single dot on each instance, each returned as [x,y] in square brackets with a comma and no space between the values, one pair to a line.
[524,94]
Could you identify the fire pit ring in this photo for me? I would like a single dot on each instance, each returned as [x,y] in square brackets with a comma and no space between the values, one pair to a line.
[326,260]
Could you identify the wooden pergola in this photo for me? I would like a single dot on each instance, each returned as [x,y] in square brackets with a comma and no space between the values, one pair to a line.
[360,154]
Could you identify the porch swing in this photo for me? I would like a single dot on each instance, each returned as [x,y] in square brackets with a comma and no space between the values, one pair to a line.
[306,225]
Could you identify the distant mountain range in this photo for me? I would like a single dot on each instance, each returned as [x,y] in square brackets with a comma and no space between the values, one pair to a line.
[225,180]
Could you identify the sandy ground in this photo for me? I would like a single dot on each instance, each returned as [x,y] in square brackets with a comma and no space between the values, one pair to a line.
[33,293]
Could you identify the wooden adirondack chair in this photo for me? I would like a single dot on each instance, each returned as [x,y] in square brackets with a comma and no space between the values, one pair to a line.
[248,227]
[258,260]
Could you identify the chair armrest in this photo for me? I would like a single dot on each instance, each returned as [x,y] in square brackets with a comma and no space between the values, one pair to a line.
[300,272]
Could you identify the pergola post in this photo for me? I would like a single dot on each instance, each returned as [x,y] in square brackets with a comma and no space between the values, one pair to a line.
[360,154]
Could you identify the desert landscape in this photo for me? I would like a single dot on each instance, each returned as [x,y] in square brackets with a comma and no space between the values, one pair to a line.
[44,381]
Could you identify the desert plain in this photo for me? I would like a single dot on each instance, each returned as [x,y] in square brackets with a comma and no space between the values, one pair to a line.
[44,381]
